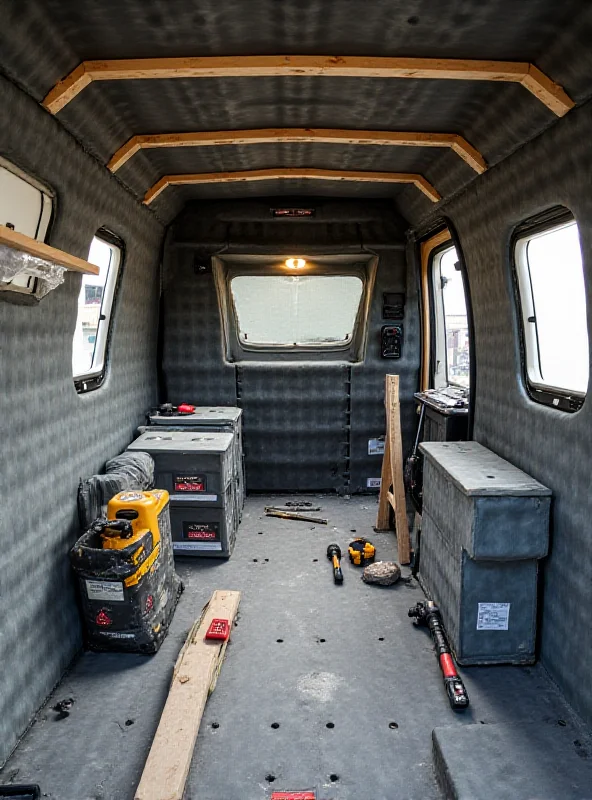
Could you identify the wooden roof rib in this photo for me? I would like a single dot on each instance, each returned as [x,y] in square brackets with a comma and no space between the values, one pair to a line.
[330,136]
[540,85]
[276,174]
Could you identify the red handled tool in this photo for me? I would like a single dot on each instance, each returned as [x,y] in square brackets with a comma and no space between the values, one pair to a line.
[428,614]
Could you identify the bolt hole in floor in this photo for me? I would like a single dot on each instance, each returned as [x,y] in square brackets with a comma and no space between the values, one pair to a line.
[377,672]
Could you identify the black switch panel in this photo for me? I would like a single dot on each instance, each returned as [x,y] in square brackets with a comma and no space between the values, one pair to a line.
[393,305]
[391,341]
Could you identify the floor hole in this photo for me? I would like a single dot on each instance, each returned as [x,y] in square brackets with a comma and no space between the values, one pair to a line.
[381,638]
[322,640]
[215,725]
[259,533]
[270,778]
[393,726]
[279,641]
[333,777]
[315,559]
[255,559]
[330,725]
[275,725]
[352,530]
[267,559]
[129,722]
[562,722]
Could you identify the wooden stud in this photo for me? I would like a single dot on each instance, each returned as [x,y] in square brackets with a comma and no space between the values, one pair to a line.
[194,678]
[426,249]
[548,92]
[326,136]
[292,172]
[392,472]
[19,241]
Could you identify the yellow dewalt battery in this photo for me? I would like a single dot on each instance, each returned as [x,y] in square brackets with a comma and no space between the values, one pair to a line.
[126,575]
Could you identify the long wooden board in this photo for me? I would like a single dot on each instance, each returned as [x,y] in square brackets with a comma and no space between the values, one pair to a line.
[194,678]
[19,241]
[539,84]
[292,172]
[392,472]
[323,135]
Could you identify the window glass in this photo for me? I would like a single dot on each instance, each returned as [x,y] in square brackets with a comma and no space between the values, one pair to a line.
[95,303]
[296,310]
[452,326]
[553,298]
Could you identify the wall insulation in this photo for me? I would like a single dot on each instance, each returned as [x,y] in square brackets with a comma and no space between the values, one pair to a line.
[50,435]
[552,446]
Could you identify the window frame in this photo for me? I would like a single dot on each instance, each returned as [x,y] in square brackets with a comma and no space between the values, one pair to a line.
[22,283]
[95,377]
[540,392]
[226,268]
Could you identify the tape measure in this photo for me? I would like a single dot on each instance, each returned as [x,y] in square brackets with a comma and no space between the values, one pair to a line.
[361,552]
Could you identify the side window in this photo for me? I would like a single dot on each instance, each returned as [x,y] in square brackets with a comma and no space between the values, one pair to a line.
[451,326]
[25,207]
[552,296]
[95,307]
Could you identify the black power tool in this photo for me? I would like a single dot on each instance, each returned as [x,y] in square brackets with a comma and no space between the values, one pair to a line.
[428,614]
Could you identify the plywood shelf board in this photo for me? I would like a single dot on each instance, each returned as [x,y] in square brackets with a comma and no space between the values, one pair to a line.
[19,241]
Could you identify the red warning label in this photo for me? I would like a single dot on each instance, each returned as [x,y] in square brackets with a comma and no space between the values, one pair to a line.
[293,796]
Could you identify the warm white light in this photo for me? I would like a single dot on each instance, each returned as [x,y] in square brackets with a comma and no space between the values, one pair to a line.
[295,263]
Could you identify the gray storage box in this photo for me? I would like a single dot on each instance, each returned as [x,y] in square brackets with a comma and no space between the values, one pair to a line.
[208,418]
[484,525]
[204,532]
[190,464]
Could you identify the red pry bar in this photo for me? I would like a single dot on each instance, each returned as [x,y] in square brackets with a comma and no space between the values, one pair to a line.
[293,796]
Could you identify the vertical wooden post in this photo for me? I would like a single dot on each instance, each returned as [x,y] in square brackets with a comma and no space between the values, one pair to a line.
[392,472]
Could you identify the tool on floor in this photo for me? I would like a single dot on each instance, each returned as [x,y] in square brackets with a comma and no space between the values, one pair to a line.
[126,574]
[334,555]
[291,515]
[293,796]
[361,552]
[427,613]
[292,508]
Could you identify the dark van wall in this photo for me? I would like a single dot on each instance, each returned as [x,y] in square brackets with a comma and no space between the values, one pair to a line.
[50,435]
[553,446]
[296,414]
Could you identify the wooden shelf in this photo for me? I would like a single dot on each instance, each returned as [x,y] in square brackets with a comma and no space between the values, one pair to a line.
[18,241]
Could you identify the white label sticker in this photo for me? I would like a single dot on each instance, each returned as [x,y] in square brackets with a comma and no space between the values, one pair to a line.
[375,447]
[112,635]
[195,498]
[493,616]
[111,591]
[373,483]
[180,546]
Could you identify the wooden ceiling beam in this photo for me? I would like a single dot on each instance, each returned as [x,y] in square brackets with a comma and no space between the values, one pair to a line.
[539,84]
[324,135]
[294,172]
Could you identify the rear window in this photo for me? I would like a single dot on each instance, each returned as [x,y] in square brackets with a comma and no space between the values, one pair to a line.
[311,311]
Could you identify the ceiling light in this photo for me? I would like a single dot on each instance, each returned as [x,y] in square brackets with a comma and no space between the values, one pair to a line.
[295,263]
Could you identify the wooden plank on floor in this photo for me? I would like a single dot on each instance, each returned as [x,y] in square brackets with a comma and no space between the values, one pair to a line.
[194,678]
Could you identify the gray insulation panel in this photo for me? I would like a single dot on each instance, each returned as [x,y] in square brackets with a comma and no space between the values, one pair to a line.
[552,446]
[51,436]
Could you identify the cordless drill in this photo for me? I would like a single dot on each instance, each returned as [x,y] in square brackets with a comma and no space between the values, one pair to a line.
[334,555]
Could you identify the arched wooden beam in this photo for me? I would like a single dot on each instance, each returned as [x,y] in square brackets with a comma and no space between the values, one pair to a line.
[385,138]
[293,172]
[548,92]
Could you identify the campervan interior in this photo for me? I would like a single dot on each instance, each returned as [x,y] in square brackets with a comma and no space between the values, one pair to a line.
[281,275]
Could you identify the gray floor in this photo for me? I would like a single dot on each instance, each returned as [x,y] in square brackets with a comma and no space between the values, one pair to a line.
[349,656]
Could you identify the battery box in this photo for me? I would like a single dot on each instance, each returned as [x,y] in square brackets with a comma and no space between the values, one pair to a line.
[204,532]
